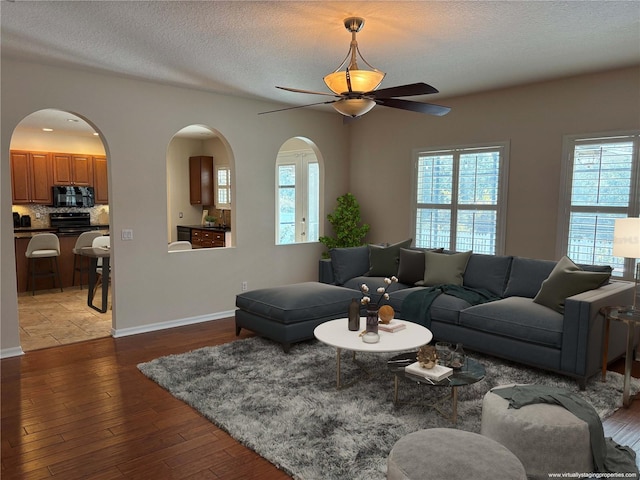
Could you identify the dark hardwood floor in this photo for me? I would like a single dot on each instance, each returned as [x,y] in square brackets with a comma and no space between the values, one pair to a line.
[85,411]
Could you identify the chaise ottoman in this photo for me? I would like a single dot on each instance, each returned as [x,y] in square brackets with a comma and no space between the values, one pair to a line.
[289,313]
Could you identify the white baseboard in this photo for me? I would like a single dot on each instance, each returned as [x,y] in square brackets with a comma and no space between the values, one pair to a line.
[11,352]
[154,327]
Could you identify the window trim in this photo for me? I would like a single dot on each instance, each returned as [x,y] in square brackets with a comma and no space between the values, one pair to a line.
[569,143]
[503,183]
[301,188]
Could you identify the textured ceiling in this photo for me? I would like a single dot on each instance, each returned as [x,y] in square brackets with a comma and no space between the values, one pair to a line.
[245,48]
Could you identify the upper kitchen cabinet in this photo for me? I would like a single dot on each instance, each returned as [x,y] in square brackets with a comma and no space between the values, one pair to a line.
[100,182]
[69,169]
[201,180]
[31,177]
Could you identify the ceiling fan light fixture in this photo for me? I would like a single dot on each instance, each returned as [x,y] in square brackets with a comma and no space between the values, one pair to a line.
[352,78]
[353,107]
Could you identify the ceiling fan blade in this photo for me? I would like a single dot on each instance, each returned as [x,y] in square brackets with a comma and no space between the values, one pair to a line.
[297,90]
[403,91]
[298,106]
[419,107]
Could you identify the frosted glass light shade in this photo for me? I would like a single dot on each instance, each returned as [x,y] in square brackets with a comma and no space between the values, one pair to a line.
[354,107]
[361,81]
[626,237]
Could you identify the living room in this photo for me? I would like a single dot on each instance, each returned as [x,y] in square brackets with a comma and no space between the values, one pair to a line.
[372,158]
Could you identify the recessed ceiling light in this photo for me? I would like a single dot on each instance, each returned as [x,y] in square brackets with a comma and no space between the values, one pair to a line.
[47,129]
[74,120]
[96,134]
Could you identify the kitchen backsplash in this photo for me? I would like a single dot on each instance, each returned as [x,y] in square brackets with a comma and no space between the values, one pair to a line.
[99,213]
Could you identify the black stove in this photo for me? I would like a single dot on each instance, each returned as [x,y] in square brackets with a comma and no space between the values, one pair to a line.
[71,222]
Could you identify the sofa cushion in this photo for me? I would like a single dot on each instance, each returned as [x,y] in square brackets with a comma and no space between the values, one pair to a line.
[297,302]
[445,308]
[526,276]
[516,317]
[349,262]
[440,268]
[566,280]
[490,272]
[411,267]
[383,261]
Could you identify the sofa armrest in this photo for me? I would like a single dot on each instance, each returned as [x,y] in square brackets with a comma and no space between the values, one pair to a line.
[325,273]
[583,327]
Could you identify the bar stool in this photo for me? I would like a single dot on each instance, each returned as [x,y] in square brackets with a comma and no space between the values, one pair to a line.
[41,246]
[80,264]
[103,241]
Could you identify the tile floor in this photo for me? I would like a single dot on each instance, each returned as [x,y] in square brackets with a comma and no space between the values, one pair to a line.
[52,318]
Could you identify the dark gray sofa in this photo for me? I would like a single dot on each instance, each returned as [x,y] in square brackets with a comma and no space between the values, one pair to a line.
[513,327]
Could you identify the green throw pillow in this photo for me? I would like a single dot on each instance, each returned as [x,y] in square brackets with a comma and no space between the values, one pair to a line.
[440,268]
[565,280]
[383,261]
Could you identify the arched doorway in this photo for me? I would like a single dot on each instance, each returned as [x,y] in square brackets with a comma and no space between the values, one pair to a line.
[54,147]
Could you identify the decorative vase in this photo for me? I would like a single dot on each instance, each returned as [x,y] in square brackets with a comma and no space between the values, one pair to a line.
[354,315]
[372,320]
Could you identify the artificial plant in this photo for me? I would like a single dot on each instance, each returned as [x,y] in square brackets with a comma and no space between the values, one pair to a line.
[346,223]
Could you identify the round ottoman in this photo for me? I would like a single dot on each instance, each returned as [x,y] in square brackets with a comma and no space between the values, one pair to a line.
[438,453]
[546,438]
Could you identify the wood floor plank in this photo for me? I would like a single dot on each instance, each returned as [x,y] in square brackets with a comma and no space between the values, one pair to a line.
[85,411]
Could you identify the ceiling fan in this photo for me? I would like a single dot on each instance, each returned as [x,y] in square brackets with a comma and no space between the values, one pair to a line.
[355,90]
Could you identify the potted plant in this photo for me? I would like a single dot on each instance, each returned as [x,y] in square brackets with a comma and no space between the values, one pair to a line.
[346,223]
[210,221]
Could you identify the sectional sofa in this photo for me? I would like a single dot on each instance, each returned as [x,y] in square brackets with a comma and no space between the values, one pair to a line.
[536,312]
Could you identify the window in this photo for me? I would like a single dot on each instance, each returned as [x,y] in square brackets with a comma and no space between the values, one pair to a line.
[223,187]
[298,197]
[459,198]
[601,183]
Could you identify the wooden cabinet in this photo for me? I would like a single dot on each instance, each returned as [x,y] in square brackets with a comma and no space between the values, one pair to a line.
[70,169]
[31,177]
[206,238]
[201,180]
[100,182]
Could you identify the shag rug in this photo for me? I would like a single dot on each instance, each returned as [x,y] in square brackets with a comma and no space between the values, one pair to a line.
[286,407]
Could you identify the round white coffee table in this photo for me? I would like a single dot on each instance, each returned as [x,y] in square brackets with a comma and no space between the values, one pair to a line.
[337,334]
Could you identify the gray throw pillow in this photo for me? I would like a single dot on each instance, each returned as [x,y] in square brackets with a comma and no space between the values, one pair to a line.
[384,261]
[440,268]
[349,262]
[566,280]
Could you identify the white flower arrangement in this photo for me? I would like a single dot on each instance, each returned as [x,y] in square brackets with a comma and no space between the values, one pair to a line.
[364,288]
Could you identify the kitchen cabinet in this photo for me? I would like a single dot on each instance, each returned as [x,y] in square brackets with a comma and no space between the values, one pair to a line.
[100,180]
[201,180]
[31,177]
[71,169]
[207,238]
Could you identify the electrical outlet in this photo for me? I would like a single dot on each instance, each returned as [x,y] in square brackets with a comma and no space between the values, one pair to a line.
[38,215]
[244,286]
[127,234]
[180,215]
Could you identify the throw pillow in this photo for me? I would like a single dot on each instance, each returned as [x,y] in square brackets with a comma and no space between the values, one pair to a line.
[440,268]
[384,261]
[349,262]
[411,267]
[566,280]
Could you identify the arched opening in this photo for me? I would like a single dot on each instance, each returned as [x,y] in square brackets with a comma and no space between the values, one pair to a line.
[299,192]
[59,181]
[200,189]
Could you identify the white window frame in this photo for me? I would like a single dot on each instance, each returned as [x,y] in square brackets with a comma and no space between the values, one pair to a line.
[501,205]
[564,204]
[301,159]
[223,188]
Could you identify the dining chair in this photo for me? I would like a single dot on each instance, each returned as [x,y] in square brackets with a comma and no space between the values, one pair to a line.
[80,264]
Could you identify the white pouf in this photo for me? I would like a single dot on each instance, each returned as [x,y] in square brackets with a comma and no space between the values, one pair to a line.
[546,438]
[439,453]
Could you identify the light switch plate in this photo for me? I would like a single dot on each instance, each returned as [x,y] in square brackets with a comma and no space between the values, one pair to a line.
[127,234]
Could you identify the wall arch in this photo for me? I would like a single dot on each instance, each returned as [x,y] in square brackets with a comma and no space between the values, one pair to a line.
[199,140]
